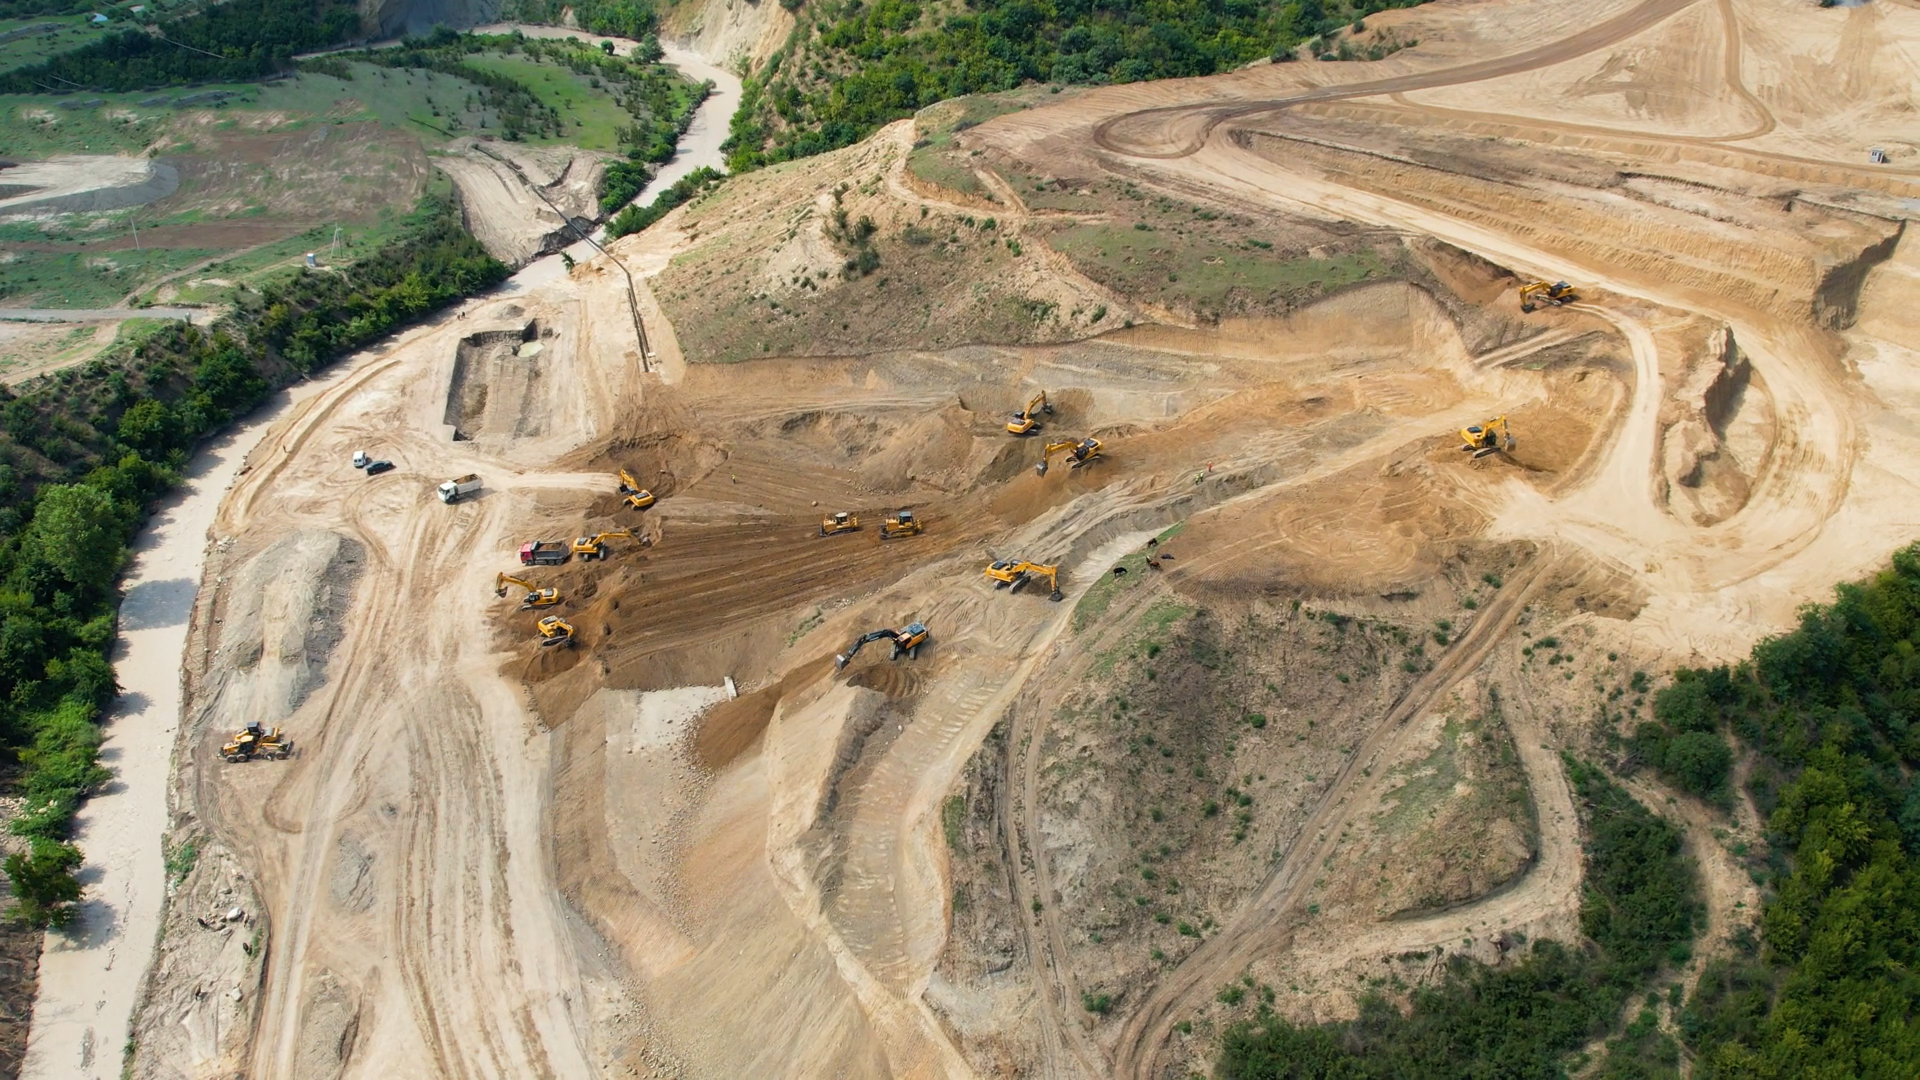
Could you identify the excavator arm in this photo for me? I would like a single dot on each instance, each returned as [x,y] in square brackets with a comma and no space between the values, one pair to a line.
[907,639]
[1027,420]
[1078,451]
[535,597]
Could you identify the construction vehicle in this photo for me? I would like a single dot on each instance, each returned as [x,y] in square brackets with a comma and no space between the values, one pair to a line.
[1079,452]
[545,553]
[900,524]
[1539,292]
[555,630]
[254,741]
[1488,438]
[1027,420]
[907,639]
[1011,574]
[835,524]
[459,488]
[595,547]
[536,596]
[638,498]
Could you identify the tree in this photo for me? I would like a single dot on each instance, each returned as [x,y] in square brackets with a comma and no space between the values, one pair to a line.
[44,888]
[76,530]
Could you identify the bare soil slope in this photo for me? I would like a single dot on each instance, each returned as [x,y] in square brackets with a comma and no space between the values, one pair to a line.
[1310,749]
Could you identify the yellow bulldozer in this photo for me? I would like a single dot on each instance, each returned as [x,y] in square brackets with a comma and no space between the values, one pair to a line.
[906,642]
[595,547]
[1079,452]
[555,630]
[638,498]
[1488,438]
[536,596]
[1027,420]
[1536,293]
[899,524]
[255,741]
[842,522]
[1011,574]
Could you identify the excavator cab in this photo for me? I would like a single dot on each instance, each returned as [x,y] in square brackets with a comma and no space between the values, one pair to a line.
[1488,438]
[906,641]
[555,630]
[1079,452]
[900,524]
[638,498]
[835,524]
[536,597]
[1027,420]
[1012,574]
[595,547]
[255,741]
[1539,292]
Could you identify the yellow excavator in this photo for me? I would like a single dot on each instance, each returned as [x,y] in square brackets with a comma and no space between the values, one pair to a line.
[1488,438]
[638,498]
[254,741]
[1536,293]
[900,524]
[536,596]
[906,640]
[1011,574]
[555,630]
[595,547]
[1079,452]
[835,524]
[1027,420]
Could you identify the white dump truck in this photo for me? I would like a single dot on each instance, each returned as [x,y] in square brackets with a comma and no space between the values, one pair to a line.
[459,488]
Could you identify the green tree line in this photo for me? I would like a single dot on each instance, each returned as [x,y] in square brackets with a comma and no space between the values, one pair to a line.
[234,41]
[859,64]
[1638,912]
[86,451]
[634,19]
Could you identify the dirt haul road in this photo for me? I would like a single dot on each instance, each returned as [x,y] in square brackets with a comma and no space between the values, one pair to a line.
[491,859]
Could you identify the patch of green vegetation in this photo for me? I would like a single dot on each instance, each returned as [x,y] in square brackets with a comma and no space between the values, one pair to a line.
[1639,911]
[1100,595]
[953,816]
[1683,739]
[180,861]
[588,119]
[41,125]
[1204,272]
[1040,193]
[31,40]
[942,169]
[1830,990]
[636,217]
[81,279]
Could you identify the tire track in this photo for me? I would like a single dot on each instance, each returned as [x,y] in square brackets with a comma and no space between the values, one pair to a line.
[1599,36]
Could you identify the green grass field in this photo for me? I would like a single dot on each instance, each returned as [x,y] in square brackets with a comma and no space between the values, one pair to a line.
[79,279]
[1202,271]
[71,32]
[591,115]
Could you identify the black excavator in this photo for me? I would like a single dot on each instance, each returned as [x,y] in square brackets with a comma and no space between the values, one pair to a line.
[907,639]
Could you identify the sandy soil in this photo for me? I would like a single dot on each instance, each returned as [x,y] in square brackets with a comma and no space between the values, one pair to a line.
[495,859]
